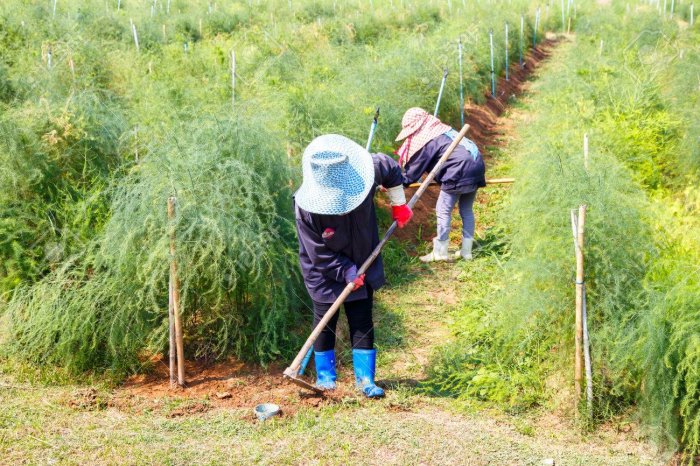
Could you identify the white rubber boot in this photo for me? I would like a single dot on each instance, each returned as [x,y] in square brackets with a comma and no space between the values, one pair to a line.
[439,252]
[466,251]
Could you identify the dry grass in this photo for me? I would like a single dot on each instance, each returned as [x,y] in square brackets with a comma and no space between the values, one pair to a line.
[41,426]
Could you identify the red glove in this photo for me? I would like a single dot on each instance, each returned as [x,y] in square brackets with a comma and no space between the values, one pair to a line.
[402,214]
[359,282]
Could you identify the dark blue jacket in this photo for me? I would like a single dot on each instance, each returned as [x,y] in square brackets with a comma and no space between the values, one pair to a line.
[333,247]
[463,172]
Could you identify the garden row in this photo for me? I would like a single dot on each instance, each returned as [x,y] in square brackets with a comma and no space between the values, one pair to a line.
[630,81]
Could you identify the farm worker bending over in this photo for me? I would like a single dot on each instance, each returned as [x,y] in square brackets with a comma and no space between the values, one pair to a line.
[426,140]
[337,228]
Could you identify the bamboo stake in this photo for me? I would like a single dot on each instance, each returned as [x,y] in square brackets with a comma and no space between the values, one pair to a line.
[522,27]
[176,296]
[507,79]
[587,358]
[171,334]
[136,36]
[442,88]
[563,19]
[578,368]
[585,151]
[489,181]
[233,78]
[493,72]
[461,83]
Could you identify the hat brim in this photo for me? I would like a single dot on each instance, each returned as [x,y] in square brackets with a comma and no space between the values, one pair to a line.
[320,199]
[408,130]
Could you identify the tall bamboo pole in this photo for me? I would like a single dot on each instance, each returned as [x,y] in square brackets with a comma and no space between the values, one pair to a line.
[176,296]
[171,334]
[507,78]
[233,78]
[493,72]
[587,358]
[578,366]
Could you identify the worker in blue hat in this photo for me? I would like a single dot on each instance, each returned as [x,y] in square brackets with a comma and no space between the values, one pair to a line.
[337,229]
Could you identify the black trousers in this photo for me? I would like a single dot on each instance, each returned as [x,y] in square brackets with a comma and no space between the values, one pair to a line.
[359,314]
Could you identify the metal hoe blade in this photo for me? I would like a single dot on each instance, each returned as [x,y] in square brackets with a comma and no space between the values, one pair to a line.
[300,382]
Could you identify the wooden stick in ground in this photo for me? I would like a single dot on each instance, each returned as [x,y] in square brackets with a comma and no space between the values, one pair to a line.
[489,181]
[176,296]
[171,333]
[578,366]
[293,370]
[233,78]
[587,358]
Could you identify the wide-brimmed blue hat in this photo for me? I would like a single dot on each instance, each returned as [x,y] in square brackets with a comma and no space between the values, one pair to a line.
[338,175]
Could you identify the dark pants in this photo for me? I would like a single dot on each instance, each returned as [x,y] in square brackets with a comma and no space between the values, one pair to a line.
[359,315]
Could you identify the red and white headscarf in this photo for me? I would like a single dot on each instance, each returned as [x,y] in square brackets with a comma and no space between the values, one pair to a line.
[419,127]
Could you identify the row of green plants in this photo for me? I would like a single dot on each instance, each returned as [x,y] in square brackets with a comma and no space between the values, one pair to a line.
[629,80]
[97,133]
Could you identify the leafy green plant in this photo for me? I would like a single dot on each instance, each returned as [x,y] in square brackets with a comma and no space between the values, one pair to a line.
[106,308]
[641,240]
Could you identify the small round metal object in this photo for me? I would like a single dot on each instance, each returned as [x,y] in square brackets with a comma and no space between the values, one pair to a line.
[266,410]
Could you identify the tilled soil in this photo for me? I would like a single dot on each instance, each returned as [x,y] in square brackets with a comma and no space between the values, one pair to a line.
[229,384]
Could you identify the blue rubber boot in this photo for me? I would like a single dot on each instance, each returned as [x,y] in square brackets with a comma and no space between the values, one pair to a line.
[365,362]
[325,369]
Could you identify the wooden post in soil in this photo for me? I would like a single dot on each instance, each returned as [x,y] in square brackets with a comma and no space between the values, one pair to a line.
[578,362]
[461,82]
[171,334]
[563,18]
[136,36]
[175,284]
[493,72]
[506,44]
[587,358]
[522,27]
[233,79]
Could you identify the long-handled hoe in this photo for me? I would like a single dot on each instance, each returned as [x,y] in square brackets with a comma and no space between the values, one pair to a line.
[292,373]
[372,130]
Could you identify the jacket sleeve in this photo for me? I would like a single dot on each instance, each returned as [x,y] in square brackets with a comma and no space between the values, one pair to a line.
[333,265]
[418,164]
[387,171]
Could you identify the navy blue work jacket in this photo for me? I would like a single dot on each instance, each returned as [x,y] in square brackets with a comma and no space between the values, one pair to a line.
[463,172]
[333,247]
